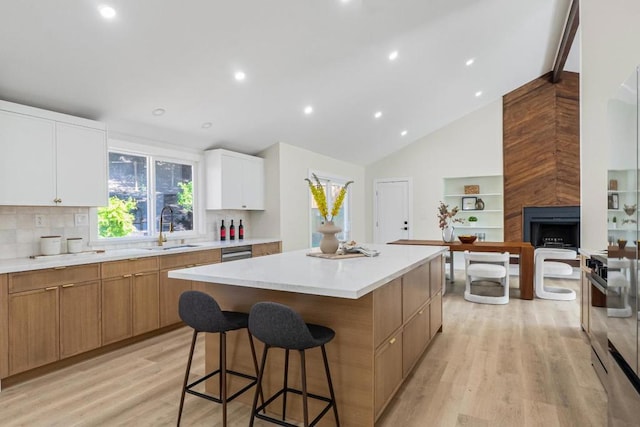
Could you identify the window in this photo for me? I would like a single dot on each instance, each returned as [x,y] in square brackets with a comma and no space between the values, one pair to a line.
[342,220]
[140,186]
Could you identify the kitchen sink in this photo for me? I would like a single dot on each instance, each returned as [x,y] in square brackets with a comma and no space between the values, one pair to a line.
[168,248]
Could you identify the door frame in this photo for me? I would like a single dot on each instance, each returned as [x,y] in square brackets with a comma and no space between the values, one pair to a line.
[378,181]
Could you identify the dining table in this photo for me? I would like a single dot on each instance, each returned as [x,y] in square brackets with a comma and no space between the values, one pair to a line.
[524,250]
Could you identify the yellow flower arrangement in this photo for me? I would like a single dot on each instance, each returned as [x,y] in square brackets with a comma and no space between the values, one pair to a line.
[317,191]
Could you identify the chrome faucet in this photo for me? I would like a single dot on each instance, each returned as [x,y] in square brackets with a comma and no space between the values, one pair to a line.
[162,239]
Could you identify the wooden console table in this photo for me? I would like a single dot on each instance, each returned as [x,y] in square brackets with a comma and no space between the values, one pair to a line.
[523,249]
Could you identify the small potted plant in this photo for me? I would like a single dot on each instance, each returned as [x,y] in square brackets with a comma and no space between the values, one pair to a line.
[473,220]
[615,222]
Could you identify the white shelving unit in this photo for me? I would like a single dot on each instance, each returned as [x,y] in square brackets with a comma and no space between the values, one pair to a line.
[625,226]
[491,218]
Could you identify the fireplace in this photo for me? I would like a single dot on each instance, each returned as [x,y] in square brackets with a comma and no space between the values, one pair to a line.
[552,226]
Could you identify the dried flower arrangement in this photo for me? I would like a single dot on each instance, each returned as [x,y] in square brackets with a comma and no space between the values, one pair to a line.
[446,216]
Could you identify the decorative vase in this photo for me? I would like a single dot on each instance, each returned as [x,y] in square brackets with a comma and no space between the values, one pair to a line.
[329,242]
[479,204]
[448,234]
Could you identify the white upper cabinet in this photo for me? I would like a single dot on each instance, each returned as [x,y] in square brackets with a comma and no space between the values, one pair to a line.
[82,165]
[27,163]
[234,180]
[51,159]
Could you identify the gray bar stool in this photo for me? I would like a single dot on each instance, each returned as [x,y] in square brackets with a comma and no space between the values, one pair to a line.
[201,312]
[279,326]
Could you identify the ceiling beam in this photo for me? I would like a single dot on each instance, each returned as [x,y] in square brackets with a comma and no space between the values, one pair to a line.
[570,28]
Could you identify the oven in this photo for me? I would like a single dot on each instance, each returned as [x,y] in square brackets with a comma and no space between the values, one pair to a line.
[598,316]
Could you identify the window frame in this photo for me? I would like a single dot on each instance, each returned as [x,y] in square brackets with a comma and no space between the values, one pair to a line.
[329,178]
[153,155]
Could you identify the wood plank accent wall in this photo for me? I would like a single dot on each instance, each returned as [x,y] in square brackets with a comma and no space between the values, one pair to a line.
[541,148]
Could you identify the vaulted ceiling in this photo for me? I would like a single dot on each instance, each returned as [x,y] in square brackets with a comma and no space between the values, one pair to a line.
[332,55]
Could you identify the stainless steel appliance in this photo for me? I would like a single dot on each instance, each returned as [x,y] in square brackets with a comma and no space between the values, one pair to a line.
[598,316]
[623,387]
[236,252]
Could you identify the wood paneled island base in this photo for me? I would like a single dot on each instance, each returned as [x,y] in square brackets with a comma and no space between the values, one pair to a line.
[380,336]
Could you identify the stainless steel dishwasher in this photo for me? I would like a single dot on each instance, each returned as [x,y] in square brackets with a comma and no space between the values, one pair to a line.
[236,252]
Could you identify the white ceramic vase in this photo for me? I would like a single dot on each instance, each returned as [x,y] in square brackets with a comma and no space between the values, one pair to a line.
[329,242]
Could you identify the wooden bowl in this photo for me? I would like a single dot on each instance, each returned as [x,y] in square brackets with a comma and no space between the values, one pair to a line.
[467,238]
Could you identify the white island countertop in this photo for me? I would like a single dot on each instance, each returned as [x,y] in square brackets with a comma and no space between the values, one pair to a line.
[296,272]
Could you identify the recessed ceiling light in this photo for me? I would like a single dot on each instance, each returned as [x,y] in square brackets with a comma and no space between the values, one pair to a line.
[403,133]
[377,114]
[158,111]
[478,94]
[207,125]
[240,76]
[393,55]
[308,109]
[107,12]
[470,62]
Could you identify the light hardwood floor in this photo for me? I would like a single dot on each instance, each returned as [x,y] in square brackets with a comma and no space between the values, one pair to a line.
[523,364]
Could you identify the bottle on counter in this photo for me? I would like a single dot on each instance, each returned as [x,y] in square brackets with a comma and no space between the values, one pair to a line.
[223,232]
[232,231]
[240,231]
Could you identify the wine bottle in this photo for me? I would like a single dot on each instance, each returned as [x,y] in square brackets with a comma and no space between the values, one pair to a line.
[223,232]
[232,231]
[240,231]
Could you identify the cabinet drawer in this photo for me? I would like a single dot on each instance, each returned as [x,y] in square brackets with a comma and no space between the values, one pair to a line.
[388,371]
[131,266]
[435,314]
[436,271]
[387,310]
[263,249]
[40,279]
[415,338]
[211,256]
[415,290]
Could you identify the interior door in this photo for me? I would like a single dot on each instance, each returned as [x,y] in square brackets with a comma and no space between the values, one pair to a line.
[391,216]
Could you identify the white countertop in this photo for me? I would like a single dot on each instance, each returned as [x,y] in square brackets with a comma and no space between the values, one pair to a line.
[26,264]
[296,272]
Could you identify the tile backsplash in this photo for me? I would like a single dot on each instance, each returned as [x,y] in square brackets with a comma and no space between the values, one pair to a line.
[22,226]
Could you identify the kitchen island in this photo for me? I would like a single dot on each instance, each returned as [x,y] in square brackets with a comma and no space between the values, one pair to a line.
[385,311]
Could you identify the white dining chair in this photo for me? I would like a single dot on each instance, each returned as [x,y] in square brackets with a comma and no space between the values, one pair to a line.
[487,266]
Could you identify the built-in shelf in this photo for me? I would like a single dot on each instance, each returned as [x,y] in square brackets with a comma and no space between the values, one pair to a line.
[490,219]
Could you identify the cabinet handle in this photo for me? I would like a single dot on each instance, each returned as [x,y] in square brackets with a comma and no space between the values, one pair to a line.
[133,259]
[62,267]
[126,275]
[392,341]
[52,288]
[69,285]
[138,274]
[421,311]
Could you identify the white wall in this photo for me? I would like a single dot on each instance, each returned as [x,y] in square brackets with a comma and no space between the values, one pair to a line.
[267,223]
[294,168]
[294,165]
[470,146]
[610,52]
